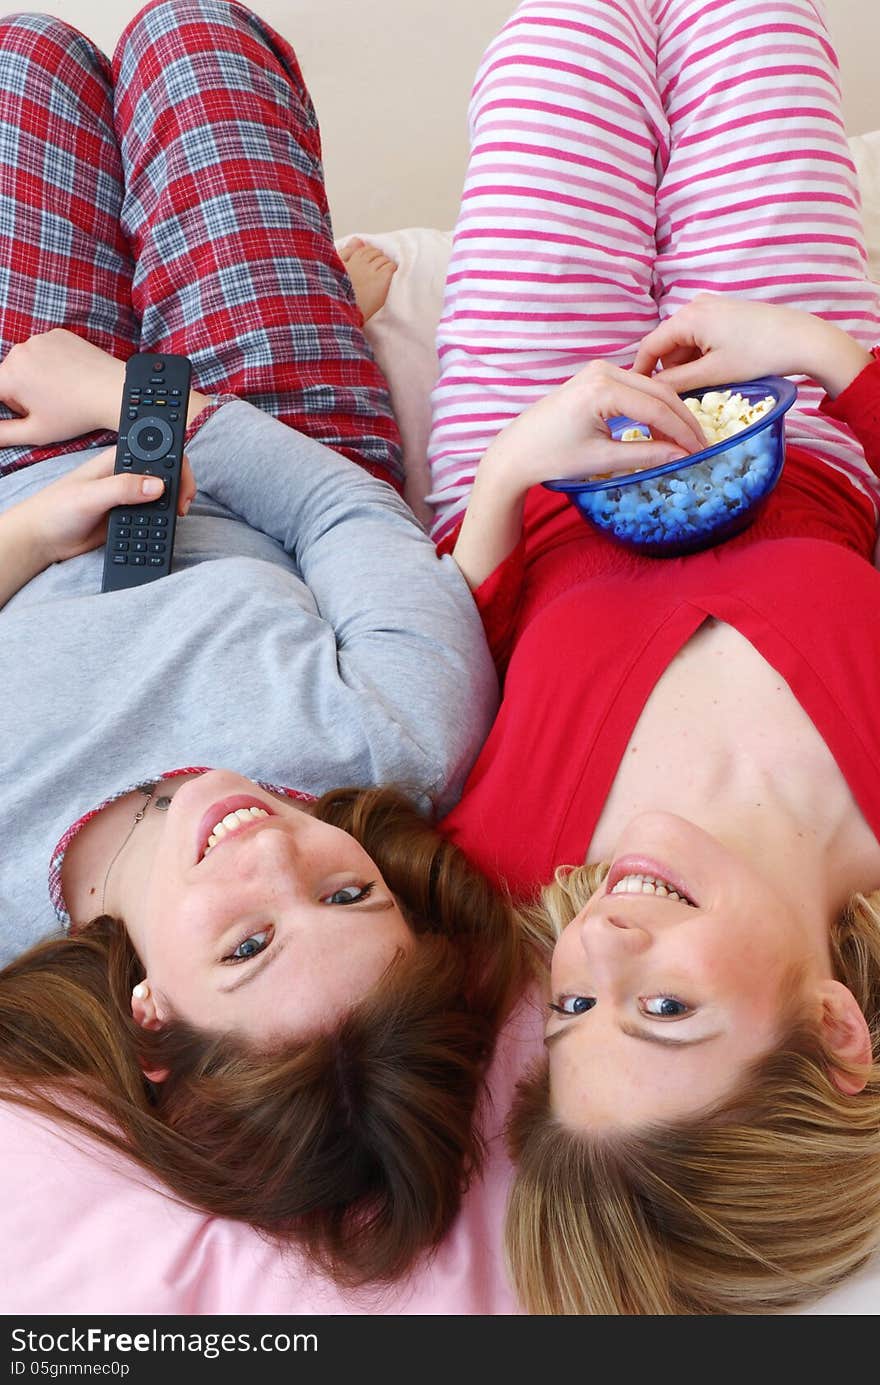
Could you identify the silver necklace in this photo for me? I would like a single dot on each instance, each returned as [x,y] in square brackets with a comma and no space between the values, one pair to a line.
[161,804]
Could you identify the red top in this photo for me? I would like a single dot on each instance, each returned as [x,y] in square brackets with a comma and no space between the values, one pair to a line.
[589,629]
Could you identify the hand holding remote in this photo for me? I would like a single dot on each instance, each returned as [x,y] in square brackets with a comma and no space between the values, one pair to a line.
[140,536]
[69,516]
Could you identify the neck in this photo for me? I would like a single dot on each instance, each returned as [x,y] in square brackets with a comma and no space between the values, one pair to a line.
[804,831]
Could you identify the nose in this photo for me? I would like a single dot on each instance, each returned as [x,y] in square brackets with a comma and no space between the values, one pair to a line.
[609,933]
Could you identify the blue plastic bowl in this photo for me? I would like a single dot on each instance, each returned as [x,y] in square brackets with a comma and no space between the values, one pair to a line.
[684,506]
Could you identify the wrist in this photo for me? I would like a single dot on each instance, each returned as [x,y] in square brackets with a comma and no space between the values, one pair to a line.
[111,391]
[836,358]
[23,552]
[197,402]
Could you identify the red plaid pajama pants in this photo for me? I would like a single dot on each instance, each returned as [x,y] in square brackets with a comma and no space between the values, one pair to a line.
[173,200]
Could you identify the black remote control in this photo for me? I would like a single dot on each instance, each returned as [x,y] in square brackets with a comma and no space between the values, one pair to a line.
[140,538]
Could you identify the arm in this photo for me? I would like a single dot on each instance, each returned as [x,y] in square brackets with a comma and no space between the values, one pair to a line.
[410,661]
[566,435]
[20,557]
[69,517]
[84,390]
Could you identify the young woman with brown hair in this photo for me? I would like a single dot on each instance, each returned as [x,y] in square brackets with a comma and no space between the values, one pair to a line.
[669,184]
[279,1000]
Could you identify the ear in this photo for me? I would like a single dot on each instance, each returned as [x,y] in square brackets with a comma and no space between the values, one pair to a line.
[146,1010]
[846,1034]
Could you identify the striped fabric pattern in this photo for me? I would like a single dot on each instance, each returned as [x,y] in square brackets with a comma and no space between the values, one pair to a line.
[625,156]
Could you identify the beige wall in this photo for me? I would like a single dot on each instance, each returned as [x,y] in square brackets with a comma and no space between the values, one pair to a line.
[391,82]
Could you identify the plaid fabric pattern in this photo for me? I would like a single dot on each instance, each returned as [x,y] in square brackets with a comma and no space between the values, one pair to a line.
[64,259]
[214,195]
[227,215]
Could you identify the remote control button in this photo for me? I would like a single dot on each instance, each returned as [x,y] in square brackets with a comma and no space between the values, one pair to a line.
[139,548]
[158,365]
[126,461]
[169,463]
[143,533]
[120,547]
[157,562]
[175,394]
[159,521]
[161,403]
[174,417]
[157,548]
[124,518]
[132,413]
[124,533]
[150,438]
[119,559]
[139,561]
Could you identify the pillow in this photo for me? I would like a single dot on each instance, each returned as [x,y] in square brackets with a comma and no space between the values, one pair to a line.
[402,332]
[87,1231]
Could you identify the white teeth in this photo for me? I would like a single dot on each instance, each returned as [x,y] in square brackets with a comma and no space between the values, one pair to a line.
[231,822]
[646,884]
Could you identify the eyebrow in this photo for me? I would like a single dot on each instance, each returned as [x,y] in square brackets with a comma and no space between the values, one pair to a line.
[644,1035]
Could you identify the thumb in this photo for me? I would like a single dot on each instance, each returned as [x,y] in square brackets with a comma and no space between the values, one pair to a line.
[125,489]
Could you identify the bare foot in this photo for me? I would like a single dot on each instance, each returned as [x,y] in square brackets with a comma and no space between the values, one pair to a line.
[370,272]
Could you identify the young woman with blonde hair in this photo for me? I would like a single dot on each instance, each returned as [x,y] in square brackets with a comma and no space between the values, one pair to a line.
[668,184]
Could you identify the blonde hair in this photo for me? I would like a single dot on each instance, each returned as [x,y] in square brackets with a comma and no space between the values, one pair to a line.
[767,1201]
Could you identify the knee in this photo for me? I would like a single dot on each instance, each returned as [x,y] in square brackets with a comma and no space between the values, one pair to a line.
[22,33]
[31,44]
[159,18]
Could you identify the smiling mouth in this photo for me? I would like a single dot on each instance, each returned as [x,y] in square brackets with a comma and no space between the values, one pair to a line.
[228,818]
[636,875]
[649,884]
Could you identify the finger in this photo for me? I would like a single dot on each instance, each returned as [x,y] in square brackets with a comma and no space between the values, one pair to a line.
[707,370]
[187,491]
[670,335]
[659,388]
[664,420]
[611,458]
[123,489]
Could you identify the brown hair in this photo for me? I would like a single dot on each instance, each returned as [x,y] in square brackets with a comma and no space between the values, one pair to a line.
[765,1201]
[356,1143]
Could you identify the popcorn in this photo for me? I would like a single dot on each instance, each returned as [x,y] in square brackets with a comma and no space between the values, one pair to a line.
[676,507]
[721,413]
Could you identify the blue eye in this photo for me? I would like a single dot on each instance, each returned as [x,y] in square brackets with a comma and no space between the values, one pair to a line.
[574,1004]
[664,1007]
[350,894]
[250,947]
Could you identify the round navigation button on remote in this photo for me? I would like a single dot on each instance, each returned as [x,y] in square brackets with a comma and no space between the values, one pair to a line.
[149,439]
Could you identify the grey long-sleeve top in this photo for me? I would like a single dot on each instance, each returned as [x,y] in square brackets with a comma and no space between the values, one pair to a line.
[308,635]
